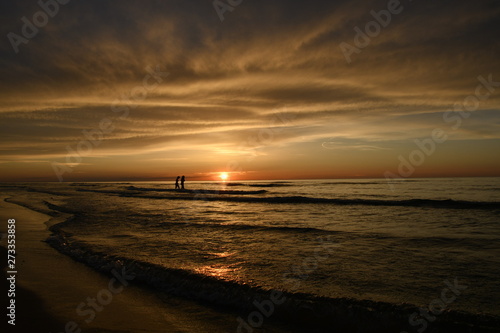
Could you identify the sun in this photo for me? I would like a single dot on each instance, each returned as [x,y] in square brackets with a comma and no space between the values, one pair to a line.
[224,176]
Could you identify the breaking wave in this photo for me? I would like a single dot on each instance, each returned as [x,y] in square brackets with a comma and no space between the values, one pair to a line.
[343,314]
[445,203]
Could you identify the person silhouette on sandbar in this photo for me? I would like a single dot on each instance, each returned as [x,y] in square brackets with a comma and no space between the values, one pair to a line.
[183,179]
[177,187]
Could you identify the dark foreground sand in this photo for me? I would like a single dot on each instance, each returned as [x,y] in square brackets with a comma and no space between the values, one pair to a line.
[30,312]
[50,286]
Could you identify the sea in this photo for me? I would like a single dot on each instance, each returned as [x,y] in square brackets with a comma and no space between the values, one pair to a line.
[431,244]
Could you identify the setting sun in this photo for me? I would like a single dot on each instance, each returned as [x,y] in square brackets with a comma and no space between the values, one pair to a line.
[224,176]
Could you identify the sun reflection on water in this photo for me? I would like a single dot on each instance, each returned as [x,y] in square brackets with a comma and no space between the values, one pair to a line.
[223,272]
[220,270]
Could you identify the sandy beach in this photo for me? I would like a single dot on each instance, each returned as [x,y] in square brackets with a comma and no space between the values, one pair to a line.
[51,286]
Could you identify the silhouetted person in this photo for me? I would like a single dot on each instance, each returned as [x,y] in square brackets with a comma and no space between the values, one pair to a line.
[177,183]
[182,182]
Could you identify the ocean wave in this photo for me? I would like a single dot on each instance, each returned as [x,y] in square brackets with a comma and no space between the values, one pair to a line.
[46,191]
[338,235]
[114,191]
[373,182]
[226,195]
[269,185]
[198,191]
[432,203]
[273,184]
[122,236]
[232,184]
[356,183]
[315,312]
[253,228]
[13,186]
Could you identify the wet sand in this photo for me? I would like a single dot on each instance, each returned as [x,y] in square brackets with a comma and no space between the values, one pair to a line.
[50,287]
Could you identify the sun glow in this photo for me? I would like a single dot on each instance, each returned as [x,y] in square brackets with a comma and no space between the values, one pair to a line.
[224,176]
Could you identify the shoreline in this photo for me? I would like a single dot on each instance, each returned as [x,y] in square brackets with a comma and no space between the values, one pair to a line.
[31,313]
[51,286]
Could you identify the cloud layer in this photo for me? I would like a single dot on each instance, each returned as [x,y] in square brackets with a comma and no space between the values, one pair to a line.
[228,80]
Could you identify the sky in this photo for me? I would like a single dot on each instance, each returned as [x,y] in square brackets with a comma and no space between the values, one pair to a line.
[282,89]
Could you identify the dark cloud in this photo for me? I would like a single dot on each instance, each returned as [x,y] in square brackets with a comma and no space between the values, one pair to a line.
[226,78]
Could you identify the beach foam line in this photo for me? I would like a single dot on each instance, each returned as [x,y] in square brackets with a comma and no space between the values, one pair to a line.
[53,286]
[54,216]
[313,312]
